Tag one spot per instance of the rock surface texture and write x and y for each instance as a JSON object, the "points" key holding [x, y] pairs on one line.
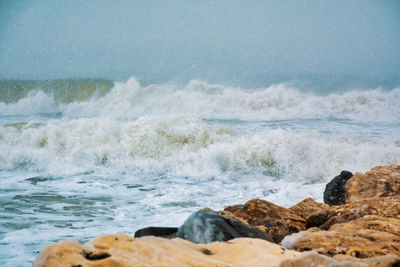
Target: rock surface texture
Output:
{"points": [[123, 250], [275, 220], [315, 213], [313, 259], [367, 226], [381, 181]]}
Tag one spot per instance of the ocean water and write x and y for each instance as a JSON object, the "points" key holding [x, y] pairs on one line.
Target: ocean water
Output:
{"points": [[79, 158]]}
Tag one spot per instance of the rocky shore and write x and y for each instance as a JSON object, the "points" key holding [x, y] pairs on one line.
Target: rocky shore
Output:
{"points": [[359, 225]]}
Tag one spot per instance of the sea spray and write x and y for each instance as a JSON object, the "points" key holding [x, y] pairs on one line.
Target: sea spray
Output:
{"points": [[187, 147], [130, 100]]}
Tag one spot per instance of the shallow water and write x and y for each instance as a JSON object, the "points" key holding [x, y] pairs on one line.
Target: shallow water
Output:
{"points": [[133, 156]]}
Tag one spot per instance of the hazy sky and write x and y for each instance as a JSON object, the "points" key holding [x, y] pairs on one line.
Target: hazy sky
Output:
{"points": [[214, 40]]}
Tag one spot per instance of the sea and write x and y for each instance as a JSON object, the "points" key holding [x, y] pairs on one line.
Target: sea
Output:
{"points": [[84, 157]]}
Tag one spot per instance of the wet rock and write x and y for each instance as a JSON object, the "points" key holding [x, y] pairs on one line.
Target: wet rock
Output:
{"points": [[123, 250], [205, 227], [381, 181], [275, 220], [335, 190], [166, 232]]}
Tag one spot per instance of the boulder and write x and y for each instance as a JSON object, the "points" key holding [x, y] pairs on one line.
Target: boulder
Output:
{"points": [[335, 190], [381, 181], [315, 213], [363, 229], [368, 225], [383, 207], [356, 238], [275, 220], [123, 251], [206, 227]]}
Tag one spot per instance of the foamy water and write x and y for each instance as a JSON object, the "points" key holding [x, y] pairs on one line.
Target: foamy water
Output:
{"points": [[137, 155]]}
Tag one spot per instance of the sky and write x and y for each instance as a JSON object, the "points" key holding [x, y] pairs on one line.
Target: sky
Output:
{"points": [[224, 40]]}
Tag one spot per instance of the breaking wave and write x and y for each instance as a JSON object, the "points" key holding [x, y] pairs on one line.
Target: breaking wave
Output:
{"points": [[130, 100], [186, 147]]}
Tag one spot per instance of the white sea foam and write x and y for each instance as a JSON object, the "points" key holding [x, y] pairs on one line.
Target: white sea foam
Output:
{"points": [[36, 102], [290, 240], [185, 146], [200, 99], [129, 100]]}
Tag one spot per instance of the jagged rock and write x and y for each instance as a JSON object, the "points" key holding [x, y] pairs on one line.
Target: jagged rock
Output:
{"points": [[166, 232], [275, 220], [313, 259], [383, 207], [346, 239], [367, 228], [123, 251], [381, 181], [315, 213], [205, 227], [335, 190]]}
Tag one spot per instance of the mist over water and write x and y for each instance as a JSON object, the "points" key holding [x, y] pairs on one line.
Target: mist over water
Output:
{"points": [[342, 44]]}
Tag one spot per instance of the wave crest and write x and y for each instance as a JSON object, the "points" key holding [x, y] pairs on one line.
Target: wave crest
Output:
{"points": [[130, 100], [186, 147], [200, 99]]}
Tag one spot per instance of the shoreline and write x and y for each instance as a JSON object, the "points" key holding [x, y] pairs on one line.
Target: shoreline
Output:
{"points": [[366, 226]]}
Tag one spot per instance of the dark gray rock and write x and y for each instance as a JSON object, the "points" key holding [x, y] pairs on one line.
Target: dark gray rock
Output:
{"points": [[167, 232], [205, 227], [335, 190]]}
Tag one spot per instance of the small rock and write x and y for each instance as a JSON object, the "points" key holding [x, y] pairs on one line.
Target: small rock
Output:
{"points": [[335, 190], [206, 227], [167, 232], [315, 213]]}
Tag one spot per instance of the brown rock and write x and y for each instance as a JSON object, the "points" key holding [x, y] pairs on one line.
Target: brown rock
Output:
{"points": [[275, 220], [367, 226], [311, 259], [315, 213], [122, 250], [381, 181], [231, 215], [366, 237], [371, 222], [383, 207]]}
